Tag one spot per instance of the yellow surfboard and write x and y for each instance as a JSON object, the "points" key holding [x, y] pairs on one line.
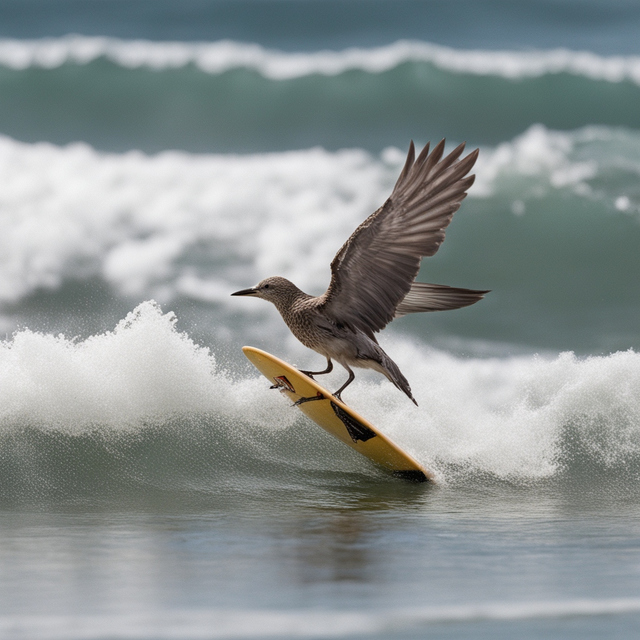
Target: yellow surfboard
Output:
{"points": [[336, 417]]}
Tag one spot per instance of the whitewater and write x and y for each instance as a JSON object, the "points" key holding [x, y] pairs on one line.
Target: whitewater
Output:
{"points": [[510, 418], [186, 229], [134, 219], [157, 156]]}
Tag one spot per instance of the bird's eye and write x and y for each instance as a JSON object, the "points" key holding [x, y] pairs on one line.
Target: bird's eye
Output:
{"points": [[266, 286]]}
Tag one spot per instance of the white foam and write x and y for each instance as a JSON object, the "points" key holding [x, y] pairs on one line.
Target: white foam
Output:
{"points": [[597, 163], [508, 417], [550, 156], [218, 57], [504, 417], [136, 220], [143, 370], [197, 624], [202, 226]]}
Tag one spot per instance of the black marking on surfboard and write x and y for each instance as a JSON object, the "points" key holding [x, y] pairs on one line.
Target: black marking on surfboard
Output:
{"points": [[412, 475], [357, 431]]}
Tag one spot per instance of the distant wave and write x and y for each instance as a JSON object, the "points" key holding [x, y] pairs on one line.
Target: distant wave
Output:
{"points": [[227, 96], [199, 624], [218, 57]]}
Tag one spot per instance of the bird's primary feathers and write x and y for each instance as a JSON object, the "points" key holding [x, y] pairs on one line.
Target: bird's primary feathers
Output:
{"points": [[372, 276]]}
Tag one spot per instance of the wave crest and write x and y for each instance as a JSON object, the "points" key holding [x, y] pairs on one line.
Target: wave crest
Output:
{"points": [[144, 387], [219, 57], [159, 226]]}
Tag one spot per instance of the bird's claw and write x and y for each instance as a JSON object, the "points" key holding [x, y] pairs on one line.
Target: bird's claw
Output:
{"points": [[307, 373], [300, 401]]}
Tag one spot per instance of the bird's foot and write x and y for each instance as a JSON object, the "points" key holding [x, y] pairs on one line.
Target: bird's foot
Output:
{"points": [[311, 374], [300, 401], [338, 395]]}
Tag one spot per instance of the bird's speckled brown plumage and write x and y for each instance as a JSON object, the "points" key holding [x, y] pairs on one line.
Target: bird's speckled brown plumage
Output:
{"points": [[372, 276]]}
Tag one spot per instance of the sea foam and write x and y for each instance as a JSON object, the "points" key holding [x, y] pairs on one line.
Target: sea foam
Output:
{"points": [[517, 419], [200, 226], [142, 370], [218, 57], [130, 218]]}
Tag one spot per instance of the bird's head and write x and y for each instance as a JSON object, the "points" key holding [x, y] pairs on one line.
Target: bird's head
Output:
{"points": [[274, 289]]}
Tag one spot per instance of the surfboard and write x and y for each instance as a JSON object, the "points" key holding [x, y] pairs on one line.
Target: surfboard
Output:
{"points": [[335, 417]]}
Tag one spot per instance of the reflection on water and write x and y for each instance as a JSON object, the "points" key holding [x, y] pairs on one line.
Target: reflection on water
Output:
{"points": [[333, 549]]}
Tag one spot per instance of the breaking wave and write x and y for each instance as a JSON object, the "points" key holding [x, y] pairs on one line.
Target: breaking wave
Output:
{"points": [[143, 405], [160, 225]]}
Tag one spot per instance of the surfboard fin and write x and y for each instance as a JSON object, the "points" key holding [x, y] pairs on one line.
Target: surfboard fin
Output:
{"points": [[412, 475]]}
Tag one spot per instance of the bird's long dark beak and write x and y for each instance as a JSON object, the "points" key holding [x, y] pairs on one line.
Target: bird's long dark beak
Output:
{"points": [[245, 292]]}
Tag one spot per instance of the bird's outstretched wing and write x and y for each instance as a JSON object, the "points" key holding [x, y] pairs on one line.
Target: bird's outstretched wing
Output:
{"points": [[373, 271]]}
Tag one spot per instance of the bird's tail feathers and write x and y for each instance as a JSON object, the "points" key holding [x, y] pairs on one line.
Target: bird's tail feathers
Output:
{"points": [[390, 369], [436, 297]]}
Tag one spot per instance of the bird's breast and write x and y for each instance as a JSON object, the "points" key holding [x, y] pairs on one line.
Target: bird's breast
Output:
{"points": [[315, 331], [304, 326]]}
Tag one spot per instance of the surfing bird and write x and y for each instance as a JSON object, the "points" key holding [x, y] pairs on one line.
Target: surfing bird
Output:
{"points": [[373, 274]]}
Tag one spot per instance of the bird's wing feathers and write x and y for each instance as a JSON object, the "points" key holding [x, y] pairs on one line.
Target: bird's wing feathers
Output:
{"points": [[373, 271], [436, 297]]}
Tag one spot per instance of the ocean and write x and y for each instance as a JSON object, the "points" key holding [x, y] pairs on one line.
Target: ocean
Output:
{"points": [[157, 155]]}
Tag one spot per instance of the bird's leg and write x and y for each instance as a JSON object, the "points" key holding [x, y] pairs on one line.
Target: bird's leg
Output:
{"points": [[352, 377], [318, 396], [329, 369]]}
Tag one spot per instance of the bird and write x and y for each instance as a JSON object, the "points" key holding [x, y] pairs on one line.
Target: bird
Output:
{"points": [[373, 274]]}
